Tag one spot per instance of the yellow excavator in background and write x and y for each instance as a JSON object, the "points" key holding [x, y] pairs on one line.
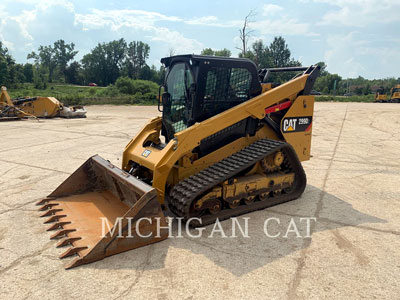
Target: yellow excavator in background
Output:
{"points": [[395, 94], [380, 95], [228, 143], [39, 107]]}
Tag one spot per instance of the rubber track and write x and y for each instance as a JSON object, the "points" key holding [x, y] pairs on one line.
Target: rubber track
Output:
{"points": [[185, 192]]}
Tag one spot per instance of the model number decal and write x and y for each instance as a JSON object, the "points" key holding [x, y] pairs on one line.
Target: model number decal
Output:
{"points": [[296, 124]]}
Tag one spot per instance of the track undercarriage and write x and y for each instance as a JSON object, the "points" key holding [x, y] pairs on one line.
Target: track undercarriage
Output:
{"points": [[263, 174]]}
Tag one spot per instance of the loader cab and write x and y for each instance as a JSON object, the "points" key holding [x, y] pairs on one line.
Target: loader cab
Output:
{"points": [[199, 87]]}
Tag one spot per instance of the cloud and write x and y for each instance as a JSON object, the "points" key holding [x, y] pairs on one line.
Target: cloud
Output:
{"points": [[359, 13], [269, 9], [283, 26], [139, 23], [213, 21], [350, 55], [43, 22]]}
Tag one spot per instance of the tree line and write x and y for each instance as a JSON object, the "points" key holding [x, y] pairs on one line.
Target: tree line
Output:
{"points": [[109, 61]]}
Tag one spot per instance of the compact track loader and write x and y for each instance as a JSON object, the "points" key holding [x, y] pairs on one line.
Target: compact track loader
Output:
{"points": [[37, 107], [227, 143], [395, 94], [380, 95]]}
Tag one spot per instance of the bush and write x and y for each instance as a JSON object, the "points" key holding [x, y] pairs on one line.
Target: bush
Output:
{"points": [[129, 86], [92, 91]]}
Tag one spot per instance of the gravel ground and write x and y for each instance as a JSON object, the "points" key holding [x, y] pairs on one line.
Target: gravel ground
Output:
{"points": [[353, 192]]}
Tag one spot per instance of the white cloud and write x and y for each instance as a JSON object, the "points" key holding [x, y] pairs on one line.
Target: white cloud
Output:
{"points": [[350, 55], [359, 13], [213, 21], [139, 21], [283, 25], [270, 9]]}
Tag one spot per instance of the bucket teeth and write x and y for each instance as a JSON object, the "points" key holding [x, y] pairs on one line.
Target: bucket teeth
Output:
{"points": [[54, 218], [61, 233], [72, 251], [57, 225], [45, 200], [47, 206], [67, 241], [50, 212]]}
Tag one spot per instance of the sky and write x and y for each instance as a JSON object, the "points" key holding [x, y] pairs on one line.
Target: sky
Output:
{"points": [[353, 37]]}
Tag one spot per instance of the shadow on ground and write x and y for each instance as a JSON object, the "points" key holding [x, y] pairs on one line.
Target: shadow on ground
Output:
{"points": [[242, 255]]}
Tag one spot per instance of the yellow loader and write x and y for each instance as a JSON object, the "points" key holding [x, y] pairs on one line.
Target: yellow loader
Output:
{"points": [[395, 94], [39, 107], [228, 142], [380, 95]]}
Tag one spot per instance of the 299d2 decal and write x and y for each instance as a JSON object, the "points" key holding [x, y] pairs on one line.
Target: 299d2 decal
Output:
{"points": [[296, 124]]}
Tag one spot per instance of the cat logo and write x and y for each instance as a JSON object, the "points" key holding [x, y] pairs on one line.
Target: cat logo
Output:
{"points": [[146, 153], [296, 124], [289, 125]]}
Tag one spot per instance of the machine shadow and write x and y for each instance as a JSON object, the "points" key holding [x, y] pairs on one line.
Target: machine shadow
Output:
{"points": [[241, 255]]}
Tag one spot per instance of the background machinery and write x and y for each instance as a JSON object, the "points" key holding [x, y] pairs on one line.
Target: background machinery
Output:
{"points": [[40, 107], [395, 94], [380, 95], [227, 143]]}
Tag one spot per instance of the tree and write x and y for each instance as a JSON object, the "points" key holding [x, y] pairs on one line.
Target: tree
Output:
{"points": [[280, 53], [323, 70], [260, 54], [46, 57], [7, 66], [245, 32], [367, 89], [40, 77], [28, 72], [137, 54], [63, 54], [104, 63], [171, 52], [277, 54], [326, 83], [207, 51], [223, 52], [73, 73]]}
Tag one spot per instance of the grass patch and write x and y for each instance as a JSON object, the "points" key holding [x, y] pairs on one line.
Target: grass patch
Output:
{"points": [[145, 94], [84, 95], [364, 98]]}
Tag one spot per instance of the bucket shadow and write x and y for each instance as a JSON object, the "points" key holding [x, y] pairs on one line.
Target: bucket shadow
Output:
{"points": [[241, 255]]}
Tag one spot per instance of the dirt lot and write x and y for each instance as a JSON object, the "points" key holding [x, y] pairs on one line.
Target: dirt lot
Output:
{"points": [[353, 192]]}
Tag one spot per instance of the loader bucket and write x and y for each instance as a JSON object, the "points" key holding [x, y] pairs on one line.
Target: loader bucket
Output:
{"points": [[101, 210]]}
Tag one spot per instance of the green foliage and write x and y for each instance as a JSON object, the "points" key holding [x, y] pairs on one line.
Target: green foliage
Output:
{"points": [[104, 63], [276, 55], [223, 52], [73, 74], [326, 83], [141, 89], [365, 98], [137, 54], [46, 57], [92, 91], [7, 67], [28, 72], [63, 54], [40, 77]]}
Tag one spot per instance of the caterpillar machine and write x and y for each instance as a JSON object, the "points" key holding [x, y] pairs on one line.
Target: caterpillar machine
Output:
{"points": [[380, 95], [395, 94], [37, 107], [227, 143]]}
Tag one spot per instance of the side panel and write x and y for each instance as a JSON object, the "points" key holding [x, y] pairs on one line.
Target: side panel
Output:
{"points": [[42, 107], [296, 126]]}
